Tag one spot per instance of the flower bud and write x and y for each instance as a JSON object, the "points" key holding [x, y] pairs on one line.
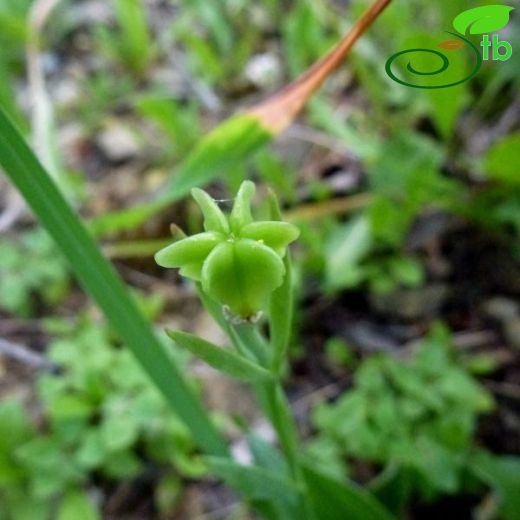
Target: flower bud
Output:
{"points": [[237, 260]]}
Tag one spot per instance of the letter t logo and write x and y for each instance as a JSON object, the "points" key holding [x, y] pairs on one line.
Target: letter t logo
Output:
{"points": [[485, 43]]}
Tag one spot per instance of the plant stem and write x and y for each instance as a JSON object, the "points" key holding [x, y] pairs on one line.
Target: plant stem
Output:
{"points": [[275, 405]]}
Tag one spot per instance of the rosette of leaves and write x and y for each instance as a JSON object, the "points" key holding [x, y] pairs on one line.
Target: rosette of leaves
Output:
{"points": [[237, 260]]}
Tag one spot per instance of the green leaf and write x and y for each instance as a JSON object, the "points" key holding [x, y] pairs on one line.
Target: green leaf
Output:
{"points": [[133, 43], [223, 360], [503, 160], [345, 250], [255, 483], [100, 279], [480, 20], [231, 143], [266, 455], [118, 432], [502, 473], [242, 274], [333, 500], [122, 465], [76, 505], [15, 426], [92, 449], [280, 317], [392, 487]]}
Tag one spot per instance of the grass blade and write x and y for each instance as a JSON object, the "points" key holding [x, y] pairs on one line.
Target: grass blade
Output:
{"points": [[99, 278]]}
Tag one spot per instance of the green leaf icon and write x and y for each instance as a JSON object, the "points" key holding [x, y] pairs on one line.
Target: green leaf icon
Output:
{"points": [[480, 20]]}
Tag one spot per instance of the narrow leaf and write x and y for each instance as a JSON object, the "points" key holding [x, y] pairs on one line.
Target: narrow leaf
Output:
{"points": [[281, 303], [254, 482], [100, 279], [221, 359], [280, 318], [233, 141]]}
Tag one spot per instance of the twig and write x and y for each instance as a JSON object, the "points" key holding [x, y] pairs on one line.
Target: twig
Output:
{"points": [[310, 135], [24, 355], [14, 210], [328, 207]]}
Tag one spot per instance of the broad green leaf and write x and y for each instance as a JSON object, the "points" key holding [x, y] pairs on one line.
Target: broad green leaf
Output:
{"points": [[277, 235], [503, 160], [502, 473], [221, 359], [76, 505], [484, 19], [242, 274], [100, 279], [214, 219], [333, 500]]}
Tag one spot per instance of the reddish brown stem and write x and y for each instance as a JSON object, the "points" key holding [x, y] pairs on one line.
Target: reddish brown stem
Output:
{"points": [[278, 112]]}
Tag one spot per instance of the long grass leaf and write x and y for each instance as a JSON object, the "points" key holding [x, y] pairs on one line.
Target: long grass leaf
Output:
{"points": [[99, 278]]}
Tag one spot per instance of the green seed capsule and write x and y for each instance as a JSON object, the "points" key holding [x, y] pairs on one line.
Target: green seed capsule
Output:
{"points": [[238, 261]]}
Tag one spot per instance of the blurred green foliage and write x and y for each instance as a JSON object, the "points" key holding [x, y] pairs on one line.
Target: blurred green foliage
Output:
{"points": [[417, 152], [31, 269], [419, 413], [100, 418]]}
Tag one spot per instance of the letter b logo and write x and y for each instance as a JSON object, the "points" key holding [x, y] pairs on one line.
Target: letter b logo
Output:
{"points": [[497, 53]]}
